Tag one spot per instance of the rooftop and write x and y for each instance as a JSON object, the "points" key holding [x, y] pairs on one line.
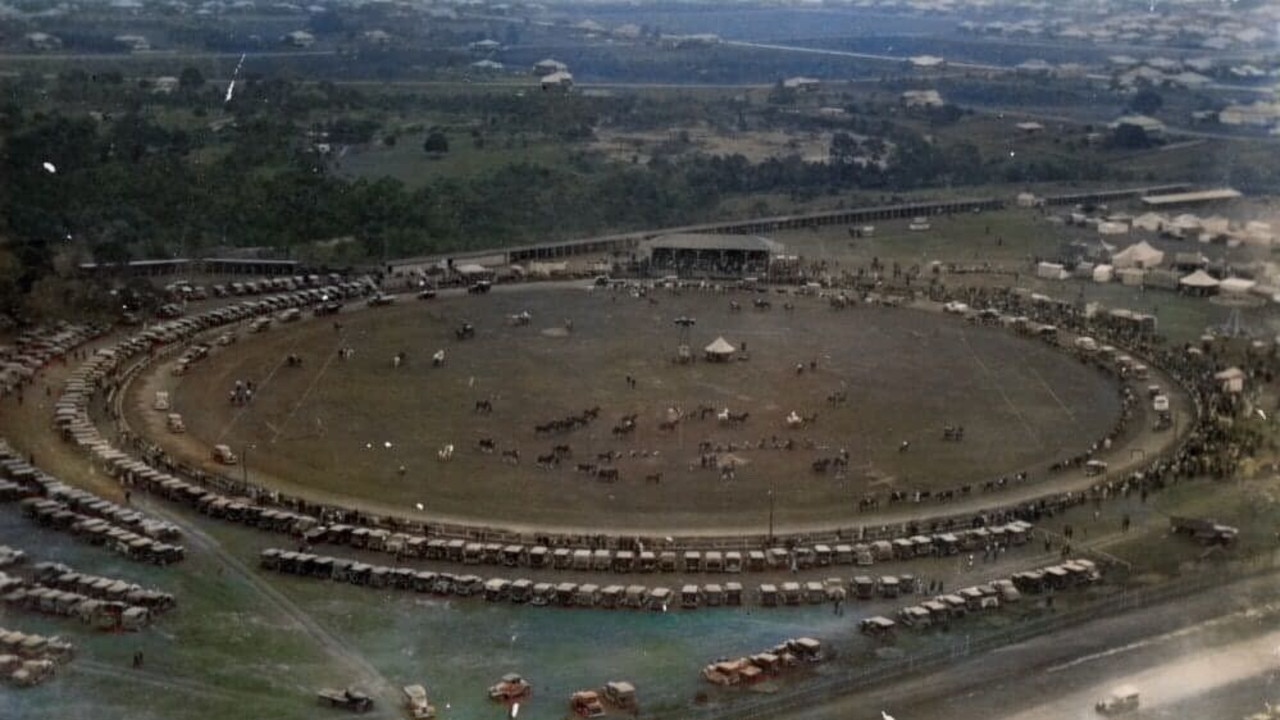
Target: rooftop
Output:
{"points": [[1190, 197]]}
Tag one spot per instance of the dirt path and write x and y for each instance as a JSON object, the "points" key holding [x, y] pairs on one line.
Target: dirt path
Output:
{"points": [[364, 672], [149, 678]]}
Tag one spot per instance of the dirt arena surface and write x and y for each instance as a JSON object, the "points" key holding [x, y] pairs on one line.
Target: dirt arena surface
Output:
{"points": [[345, 427]]}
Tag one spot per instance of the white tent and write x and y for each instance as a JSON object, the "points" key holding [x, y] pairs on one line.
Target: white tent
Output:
{"points": [[1152, 222], [1236, 285], [719, 349], [1103, 274], [1139, 255], [1108, 227], [1199, 280], [1231, 379], [1131, 276]]}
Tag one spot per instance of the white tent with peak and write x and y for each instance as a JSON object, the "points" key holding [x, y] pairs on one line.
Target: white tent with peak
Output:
{"points": [[1199, 280], [719, 349], [1138, 255]]}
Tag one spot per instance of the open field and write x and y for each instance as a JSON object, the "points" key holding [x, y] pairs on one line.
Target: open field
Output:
{"points": [[345, 428]]}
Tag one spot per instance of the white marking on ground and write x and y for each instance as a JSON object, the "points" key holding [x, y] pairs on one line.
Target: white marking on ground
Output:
{"points": [[995, 384], [1053, 394], [292, 411]]}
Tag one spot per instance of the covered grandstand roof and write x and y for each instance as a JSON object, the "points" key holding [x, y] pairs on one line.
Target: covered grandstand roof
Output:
{"points": [[713, 242]]}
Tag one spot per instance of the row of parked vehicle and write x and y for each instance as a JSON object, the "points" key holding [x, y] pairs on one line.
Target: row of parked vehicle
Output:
{"points": [[99, 532], [189, 291], [520, 591], [11, 556], [33, 349], [61, 577], [754, 668], [988, 596], [27, 659], [107, 615], [647, 561]]}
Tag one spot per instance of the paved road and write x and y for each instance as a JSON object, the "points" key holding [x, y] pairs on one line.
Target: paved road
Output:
{"points": [[1171, 651]]}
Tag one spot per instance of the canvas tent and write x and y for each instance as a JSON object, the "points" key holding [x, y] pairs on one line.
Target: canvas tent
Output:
{"points": [[720, 350], [1231, 379], [1237, 286], [1139, 255], [1199, 282]]}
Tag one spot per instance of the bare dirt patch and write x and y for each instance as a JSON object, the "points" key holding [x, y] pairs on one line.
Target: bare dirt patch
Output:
{"points": [[347, 428]]}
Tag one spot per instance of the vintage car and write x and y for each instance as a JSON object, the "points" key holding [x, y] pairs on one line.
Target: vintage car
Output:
{"points": [[510, 688], [586, 703], [1124, 699], [348, 699], [415, 697]]}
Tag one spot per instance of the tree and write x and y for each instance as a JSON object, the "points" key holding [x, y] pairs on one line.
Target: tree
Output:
{"points": [[1146, 101], [1130, 137], [190, 79], [437, 143]]}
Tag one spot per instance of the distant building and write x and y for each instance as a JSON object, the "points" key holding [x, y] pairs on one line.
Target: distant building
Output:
{"points": [[1258, 114], [630, 31], [166, 85], [1190, 198], [542, 68], [804, 84], [927, 62], [488, 66], [1035, 66], [1151, 126], [42, 41], [299, 39], [562, 81], [134, 43], [376, 37], [922, 99], [1030, 128], [485, 46]]}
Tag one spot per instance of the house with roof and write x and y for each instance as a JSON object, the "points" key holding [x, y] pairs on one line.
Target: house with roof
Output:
{"points": [[42, 41], [802, 84], [1150, 125], [542, 68], [562, 81], [922, 99], [299, 39]]}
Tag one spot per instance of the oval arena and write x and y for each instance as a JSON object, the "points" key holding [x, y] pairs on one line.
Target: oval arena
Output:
{"points": [[571, 413]]}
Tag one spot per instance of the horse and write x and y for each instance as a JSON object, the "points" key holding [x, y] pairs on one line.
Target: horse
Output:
{"points": [[487, 445], [609, 474], [399, 359], [437, 360], [445, 454], [484, 406], [512, 456], [546, 462], [668, 425], [655, 478]]}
